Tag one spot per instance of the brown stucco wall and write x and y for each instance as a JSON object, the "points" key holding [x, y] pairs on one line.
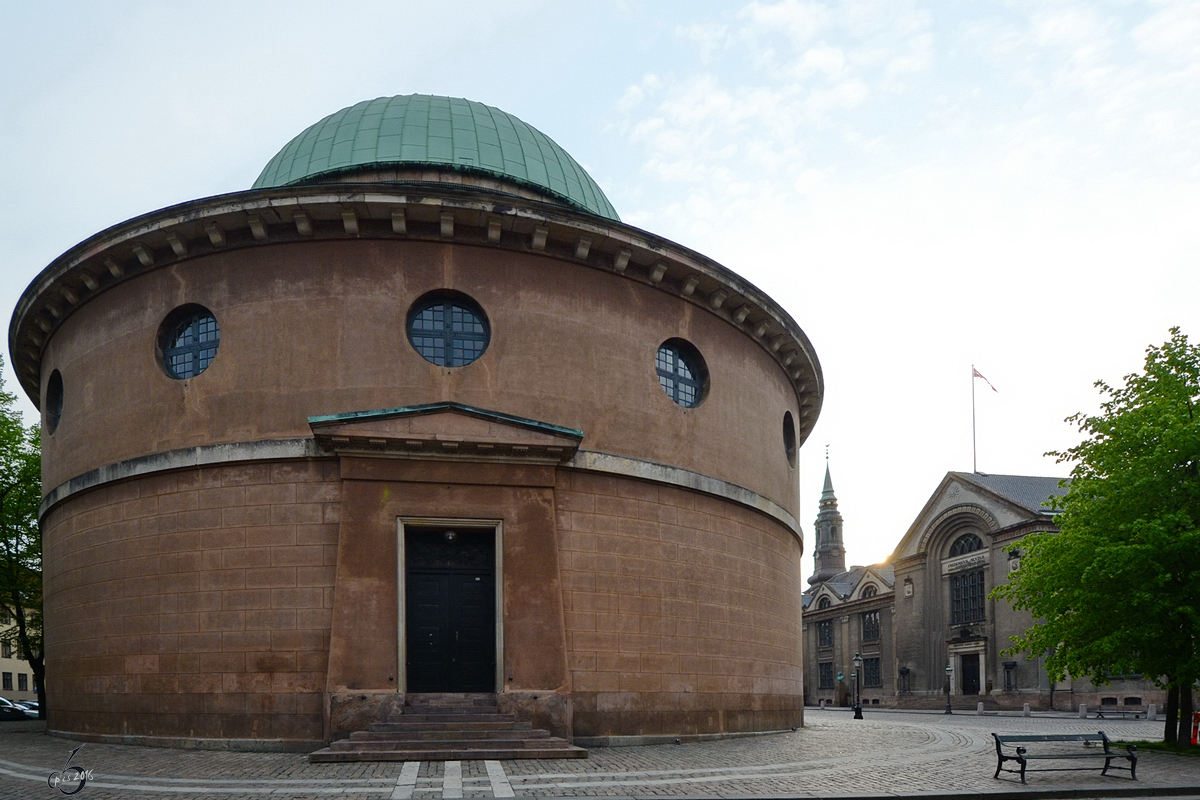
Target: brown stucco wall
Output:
{"points": [[682, 611], [319, 328], [193, 604], [260, 600]]}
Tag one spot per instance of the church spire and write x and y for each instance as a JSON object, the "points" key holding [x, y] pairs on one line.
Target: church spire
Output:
{"points": [[829, 555]]}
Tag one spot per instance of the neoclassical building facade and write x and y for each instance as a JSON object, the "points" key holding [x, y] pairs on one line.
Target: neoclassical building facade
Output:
{"points": [[926, 615], [417, 413]]}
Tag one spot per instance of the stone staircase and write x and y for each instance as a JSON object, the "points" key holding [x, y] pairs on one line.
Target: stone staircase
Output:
{"points": [[448, 727]]}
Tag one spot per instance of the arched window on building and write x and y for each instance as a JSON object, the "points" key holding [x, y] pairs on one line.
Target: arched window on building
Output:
{"points": [[825, 634], [967, 543], [870, 626], [870, 591], [824, 602], [967, 589]]}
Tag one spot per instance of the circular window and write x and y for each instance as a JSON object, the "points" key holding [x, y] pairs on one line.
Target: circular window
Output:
{"points": [[54, 401], [870, 591], [681, 372], [188, 340], [448, 329], [789, 438], [823, 603]]}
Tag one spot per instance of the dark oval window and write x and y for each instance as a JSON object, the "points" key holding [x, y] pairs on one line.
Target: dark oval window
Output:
{"points": [[54, 401], [789, 438], [448, 329], [965, 544], [870, 591], [824, 603], [681, 372], [188, 341]]}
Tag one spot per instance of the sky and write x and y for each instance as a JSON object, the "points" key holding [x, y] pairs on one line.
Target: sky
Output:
{"points": [[924, 186]]}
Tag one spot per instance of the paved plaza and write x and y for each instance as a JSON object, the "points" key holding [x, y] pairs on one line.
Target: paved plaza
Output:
{"points": [[885, 754]]}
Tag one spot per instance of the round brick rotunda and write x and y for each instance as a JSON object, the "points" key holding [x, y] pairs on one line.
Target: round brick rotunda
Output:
{"points": [[417, 414]]}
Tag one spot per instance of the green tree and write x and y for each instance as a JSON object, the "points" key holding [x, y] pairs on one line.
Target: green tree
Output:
{"points": [[21, 539], [1117, 589]]}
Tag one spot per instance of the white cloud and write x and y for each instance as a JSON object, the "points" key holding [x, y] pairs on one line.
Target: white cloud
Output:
{"points": [[1173, 33]]}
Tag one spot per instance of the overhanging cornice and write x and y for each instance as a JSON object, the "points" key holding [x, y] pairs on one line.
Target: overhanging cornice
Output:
{"points": [[419, 211]]}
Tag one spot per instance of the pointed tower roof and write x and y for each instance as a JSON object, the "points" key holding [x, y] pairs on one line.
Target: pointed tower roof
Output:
{"points": [[829, 555], [827, 495]]}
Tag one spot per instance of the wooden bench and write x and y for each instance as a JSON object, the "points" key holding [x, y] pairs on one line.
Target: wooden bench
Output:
{"points": [[1093, 745]]}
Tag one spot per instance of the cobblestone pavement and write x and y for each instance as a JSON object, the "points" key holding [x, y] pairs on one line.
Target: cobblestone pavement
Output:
{"points": [[886, 754]]}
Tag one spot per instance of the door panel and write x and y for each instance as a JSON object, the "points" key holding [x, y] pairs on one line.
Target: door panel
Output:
{"points": [[450, 612], [970, 670]]}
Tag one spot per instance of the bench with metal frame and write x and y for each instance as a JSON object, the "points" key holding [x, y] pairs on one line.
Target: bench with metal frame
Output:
{"points": [[1095, 745], [1125, 712]]}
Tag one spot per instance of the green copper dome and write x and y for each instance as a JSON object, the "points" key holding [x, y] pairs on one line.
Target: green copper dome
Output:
{"points": [[426, 130]]}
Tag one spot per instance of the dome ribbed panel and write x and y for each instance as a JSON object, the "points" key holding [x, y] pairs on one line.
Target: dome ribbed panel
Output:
{"points": [[437, 131]]}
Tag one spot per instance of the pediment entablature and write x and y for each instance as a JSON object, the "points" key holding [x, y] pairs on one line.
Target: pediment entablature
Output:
{"points": [[446, 431], [957, 501], [823, 592], [871, 577]]}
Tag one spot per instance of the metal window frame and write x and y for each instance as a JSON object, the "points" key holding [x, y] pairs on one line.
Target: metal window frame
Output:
{"points": [[870, 626], [450, 352], [825, 675], [872, 673], [672, 377], [201, 351]]}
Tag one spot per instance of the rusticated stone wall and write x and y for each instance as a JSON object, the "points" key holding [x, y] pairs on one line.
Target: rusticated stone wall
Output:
{"points": [[194, 604], [682, 610]]}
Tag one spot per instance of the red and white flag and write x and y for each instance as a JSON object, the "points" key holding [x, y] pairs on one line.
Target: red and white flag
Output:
{"points": [[977, 374]]}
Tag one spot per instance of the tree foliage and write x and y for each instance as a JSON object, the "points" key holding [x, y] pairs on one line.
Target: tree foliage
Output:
{"points": [[1117, 590], [20, 538]]}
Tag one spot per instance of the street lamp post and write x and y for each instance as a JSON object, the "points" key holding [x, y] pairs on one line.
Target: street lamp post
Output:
{"points": [[858, 663], [949, 669]]}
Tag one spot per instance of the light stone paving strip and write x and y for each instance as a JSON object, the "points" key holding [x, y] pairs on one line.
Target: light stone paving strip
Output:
{"points": [[452, 780], [499, 780], [407, 782], [886, 754]]}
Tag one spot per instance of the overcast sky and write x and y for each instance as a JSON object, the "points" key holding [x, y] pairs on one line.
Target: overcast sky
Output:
{"points": [[923, 186]]}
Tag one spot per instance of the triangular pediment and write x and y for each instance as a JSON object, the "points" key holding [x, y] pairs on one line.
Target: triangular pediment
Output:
{"points": [[959, 494], [813, 599], [446, 431], [879, 576]]}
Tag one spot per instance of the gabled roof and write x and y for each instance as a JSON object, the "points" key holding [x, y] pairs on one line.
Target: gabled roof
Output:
{"points": [[997, 501], [844, 584], [1027, 491]]}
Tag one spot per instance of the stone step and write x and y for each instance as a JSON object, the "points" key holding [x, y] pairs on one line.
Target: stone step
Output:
{"points": [[443, 735], [440, 716], [448, 728], [457, 725], [444, 699], [329, 755], [443, 744]]}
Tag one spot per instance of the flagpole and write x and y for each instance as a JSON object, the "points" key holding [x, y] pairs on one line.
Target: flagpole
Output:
{"points": [[974, 464]]}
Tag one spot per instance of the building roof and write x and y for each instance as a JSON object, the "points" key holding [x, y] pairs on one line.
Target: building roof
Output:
{"points": [[1028, 491], [844, 583], [444, 132]]}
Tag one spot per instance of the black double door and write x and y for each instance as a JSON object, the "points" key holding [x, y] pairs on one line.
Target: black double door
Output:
{"points": [[450, 610], [970, 673]]}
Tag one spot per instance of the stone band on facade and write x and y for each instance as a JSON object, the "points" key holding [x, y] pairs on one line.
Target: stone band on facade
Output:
{"points": [[212, 455]]}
